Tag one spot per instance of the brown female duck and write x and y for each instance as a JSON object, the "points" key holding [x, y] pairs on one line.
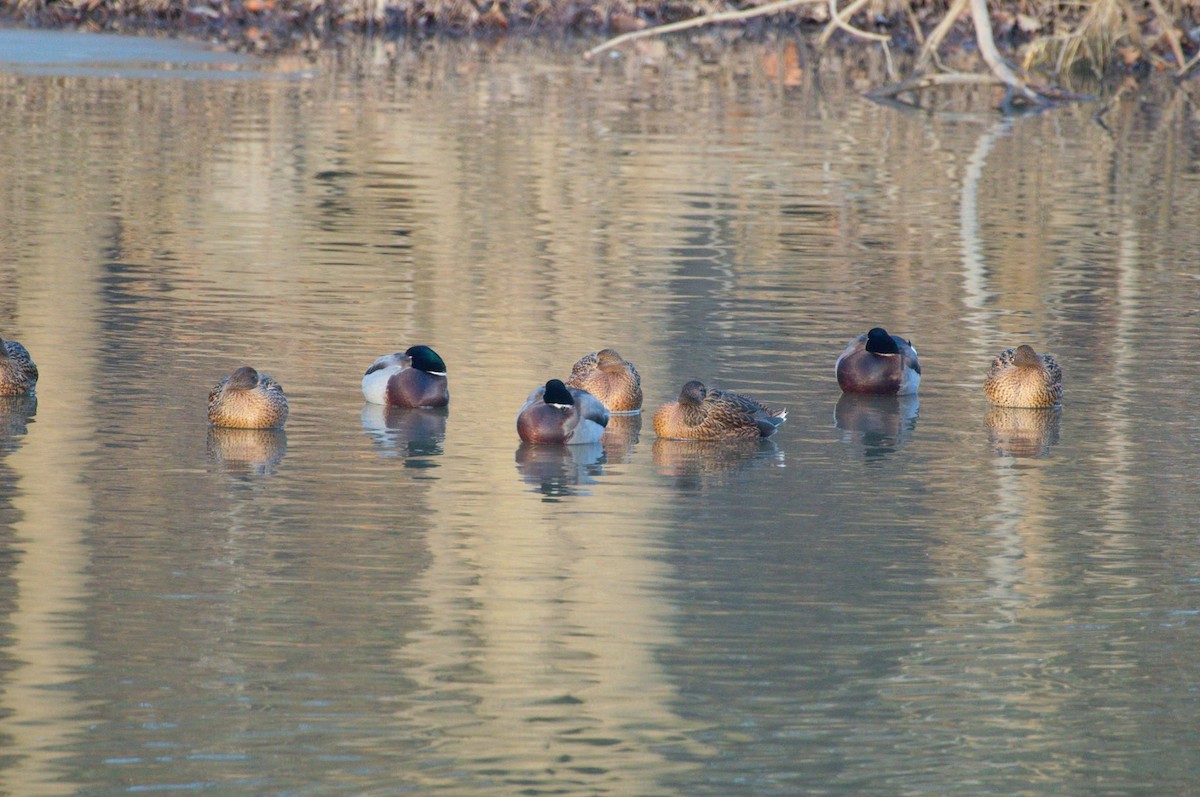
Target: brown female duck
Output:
{"points": [[703, 414], [611, 379], [1021, 377], [247, 399], [18, 374]]}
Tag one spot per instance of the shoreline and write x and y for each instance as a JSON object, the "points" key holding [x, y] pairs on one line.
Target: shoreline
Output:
{"points": [[1103, 39]]}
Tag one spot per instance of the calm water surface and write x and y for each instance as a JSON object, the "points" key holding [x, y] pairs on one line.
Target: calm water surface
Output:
{"points": [[891, 597]]}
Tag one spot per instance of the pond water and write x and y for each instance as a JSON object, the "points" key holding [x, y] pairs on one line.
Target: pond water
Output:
{"points": [[890, 597]]}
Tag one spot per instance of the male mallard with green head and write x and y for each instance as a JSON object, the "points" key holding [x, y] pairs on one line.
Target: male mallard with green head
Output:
{"points": [[416, 378], [703, 414], [247, 399], [879, 363], [556, 413], [1021, 377]]}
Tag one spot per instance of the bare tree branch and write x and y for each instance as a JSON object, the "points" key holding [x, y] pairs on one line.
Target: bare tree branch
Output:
{"points": [[1183, 70], [991, 56], [837, 20], [696, 22], [929, 49], [1167, 23], [922, 82]]}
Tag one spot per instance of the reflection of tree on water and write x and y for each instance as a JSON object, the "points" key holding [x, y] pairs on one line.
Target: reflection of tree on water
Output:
{"points": [[881, 423], [694, 463], [249, 451], [16, 413], [1023, 432], [559, 471], [406, 432]]}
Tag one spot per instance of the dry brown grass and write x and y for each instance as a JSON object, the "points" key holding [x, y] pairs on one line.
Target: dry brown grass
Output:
{"points": [[1089, 44]]}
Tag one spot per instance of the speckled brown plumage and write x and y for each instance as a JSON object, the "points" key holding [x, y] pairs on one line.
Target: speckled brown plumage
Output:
{"points": [[703, 414], [247, 399], [18, 374], [610, 378], [1021, 377]]}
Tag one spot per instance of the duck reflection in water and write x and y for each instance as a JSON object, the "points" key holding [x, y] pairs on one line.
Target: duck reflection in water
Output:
{"points": [[256, 452], [620, 437], [414, 434], [881, 423], [695, 463], [558, 471], [16, 413], [1023, 431]]}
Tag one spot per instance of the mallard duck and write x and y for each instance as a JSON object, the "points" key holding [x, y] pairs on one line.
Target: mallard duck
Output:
{"points": [[611, 379], [879, 363], [1021, 377], [18, 374], [247, 399], [416, 378], [556, 413], [703, 414]]}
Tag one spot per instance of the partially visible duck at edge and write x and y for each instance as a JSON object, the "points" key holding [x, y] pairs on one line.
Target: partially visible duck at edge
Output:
{"points": [[556, 413], [611, 379], [18, 374], [704, 414], [416, 378], [1021, 377], [247, 399], [878, 362]]}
